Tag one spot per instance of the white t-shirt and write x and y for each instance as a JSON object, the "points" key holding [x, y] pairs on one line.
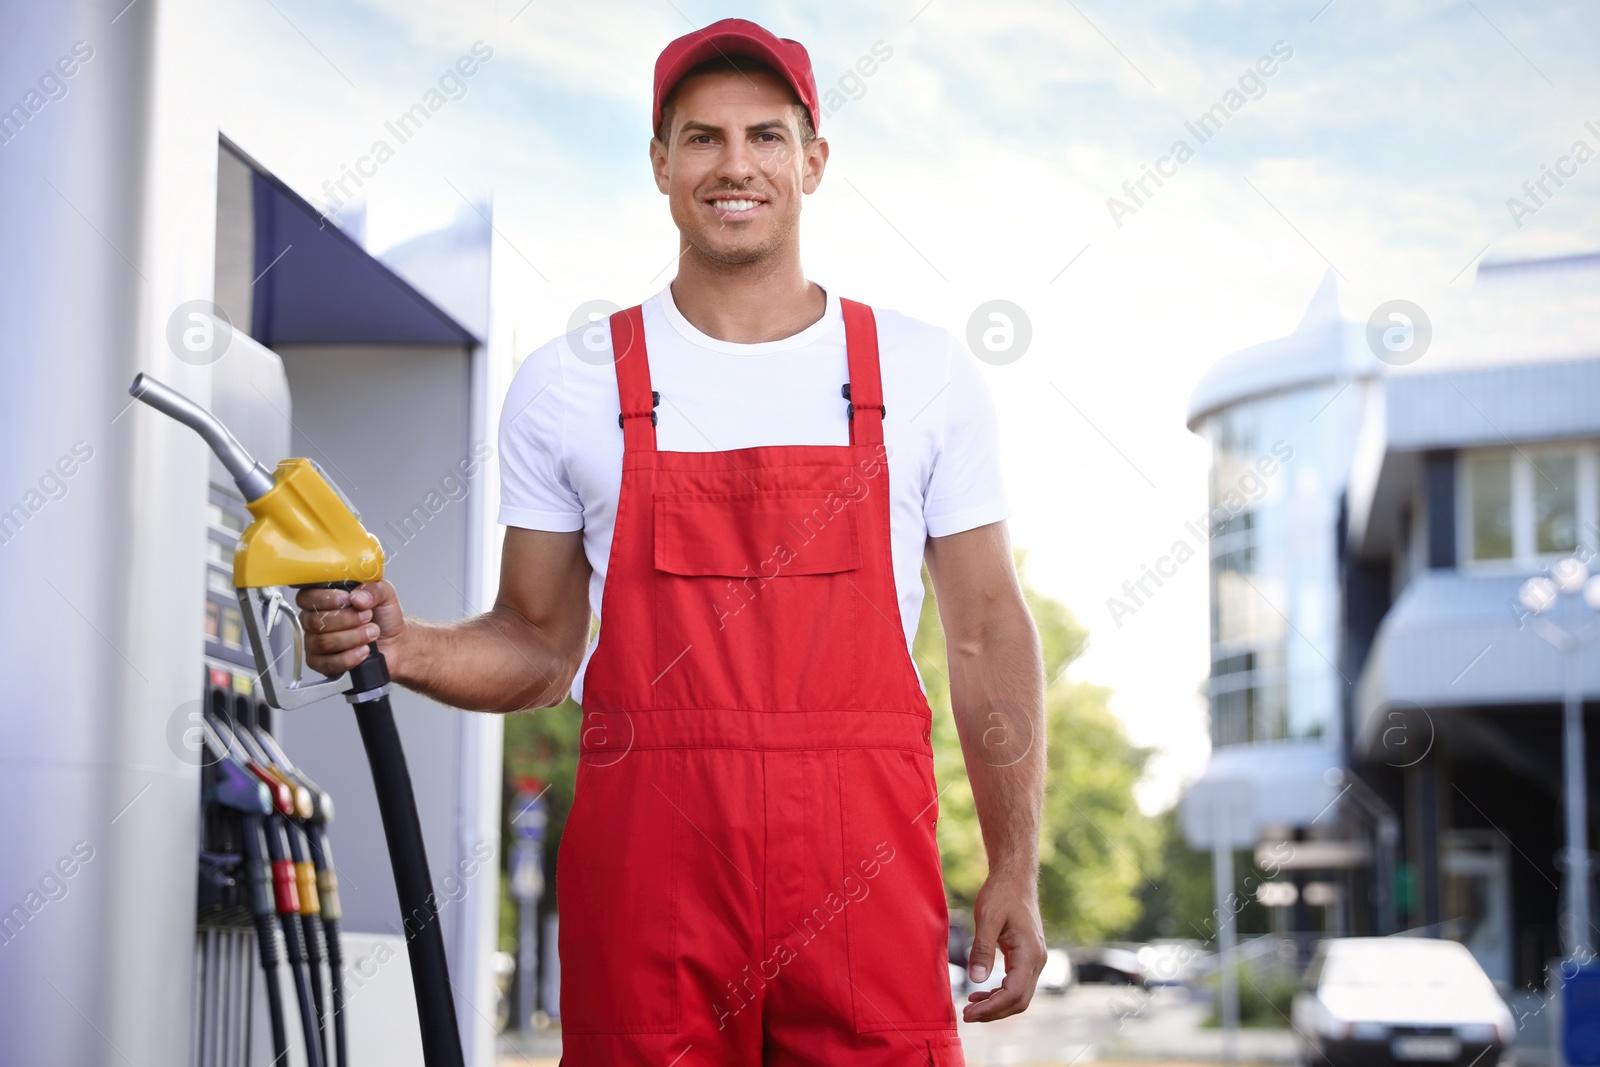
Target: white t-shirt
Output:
{"points": [[561, 447]]}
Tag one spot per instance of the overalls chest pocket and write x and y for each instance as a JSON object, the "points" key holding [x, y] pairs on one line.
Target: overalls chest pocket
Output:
{"points": [[756, 599]]}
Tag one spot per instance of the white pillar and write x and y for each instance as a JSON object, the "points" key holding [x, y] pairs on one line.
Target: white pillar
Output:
{"points": [[105, 175]]}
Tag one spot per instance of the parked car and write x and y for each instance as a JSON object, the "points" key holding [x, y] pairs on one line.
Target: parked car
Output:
{"points": [[1057, 976], [1398, 1000], [1172, 962], [1110, 964]]}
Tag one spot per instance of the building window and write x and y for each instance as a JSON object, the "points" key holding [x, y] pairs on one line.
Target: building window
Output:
{"points": [[1523, 507], [1555, 503], [1488, 484]]}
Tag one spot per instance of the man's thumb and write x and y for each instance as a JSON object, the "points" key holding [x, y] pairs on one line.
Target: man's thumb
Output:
{"points": [[981, 956], [385, 607]]}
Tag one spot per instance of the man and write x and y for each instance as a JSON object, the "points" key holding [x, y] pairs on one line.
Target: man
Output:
{"points": [[749, 873]]}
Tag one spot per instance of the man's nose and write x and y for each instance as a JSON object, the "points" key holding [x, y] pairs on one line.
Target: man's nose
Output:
{"points": [[738, 162]]}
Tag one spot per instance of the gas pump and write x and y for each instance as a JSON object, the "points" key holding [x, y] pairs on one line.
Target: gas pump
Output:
{"points": [[305, 533]]}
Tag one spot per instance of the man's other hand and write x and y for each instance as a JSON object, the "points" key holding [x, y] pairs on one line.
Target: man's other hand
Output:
{"points": [[1007, 919]]}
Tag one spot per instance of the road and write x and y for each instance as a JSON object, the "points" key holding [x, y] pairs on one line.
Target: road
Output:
{"points": [[1088, 1024], [1064, 1029], [1098, 1022]]}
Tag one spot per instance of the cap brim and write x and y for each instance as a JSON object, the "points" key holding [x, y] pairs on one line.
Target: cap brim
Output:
{"points": [[726, 44]]}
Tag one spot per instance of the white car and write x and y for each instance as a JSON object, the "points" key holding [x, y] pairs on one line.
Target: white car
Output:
{"points": [[1399, 1000], [1057, 976], [1171, 962]]}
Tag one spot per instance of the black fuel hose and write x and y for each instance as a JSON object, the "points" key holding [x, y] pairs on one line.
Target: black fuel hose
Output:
{"points": [[259, 888], [328, 890], [330, 928], [311, 930], [419, 910], [267, 940], [311, 926], [294, 944], [307, 848]]}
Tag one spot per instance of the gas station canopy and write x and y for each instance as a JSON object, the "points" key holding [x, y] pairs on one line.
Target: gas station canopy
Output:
{"points": [[335, 293]]}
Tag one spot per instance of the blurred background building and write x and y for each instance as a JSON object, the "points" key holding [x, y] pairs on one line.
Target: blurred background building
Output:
{"points": [[1477, 471], [1385, 719], [1283, 420]]}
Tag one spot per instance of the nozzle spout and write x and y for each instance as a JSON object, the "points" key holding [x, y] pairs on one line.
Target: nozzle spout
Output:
{"points": [[251, 477]]}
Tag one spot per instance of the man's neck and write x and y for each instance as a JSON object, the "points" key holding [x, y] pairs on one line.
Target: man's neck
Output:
{"points": [[748, 303]]}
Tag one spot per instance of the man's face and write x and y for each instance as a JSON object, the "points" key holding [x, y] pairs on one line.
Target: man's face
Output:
{"points": [[733, 165]]}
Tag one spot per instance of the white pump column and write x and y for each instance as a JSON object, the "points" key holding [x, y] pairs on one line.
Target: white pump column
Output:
{"points": [[107, 169]]}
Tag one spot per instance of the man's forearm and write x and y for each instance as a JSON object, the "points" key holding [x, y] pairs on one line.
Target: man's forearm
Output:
{"points": [[491, 662], [997, 695]]}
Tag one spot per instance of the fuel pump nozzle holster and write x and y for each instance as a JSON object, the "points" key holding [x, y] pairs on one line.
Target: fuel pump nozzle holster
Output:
{"points": [[304, 533]]}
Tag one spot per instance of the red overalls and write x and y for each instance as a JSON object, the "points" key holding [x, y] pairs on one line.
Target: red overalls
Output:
{"points": [[749, 874]]}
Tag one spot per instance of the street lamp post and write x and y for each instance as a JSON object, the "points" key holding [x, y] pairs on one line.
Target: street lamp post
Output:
{"points": [[1568, 582]]}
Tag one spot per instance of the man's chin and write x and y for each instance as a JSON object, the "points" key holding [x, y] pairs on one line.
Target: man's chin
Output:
{"points": [[733, 255]]}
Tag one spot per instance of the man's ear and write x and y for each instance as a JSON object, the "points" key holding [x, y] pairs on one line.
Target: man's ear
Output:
{"points": [[658, 163], [816, 162]]}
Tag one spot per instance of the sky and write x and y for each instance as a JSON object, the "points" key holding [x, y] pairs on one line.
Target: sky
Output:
{"points": [[980, 161]]}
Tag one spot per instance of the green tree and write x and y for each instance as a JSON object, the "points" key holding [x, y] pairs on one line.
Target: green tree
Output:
{"points": [[542, 745], [1177, 901], [1095, 845]]}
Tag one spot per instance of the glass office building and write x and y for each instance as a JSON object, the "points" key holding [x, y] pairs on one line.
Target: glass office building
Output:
{"points": [[1278, 467], [1282, 420]]}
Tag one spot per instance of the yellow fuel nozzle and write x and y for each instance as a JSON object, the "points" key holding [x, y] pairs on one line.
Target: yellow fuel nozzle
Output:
{"points": [[304, 533]]}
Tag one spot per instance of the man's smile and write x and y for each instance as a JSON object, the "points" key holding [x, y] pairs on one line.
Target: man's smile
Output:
{"points": [[735, 207]]}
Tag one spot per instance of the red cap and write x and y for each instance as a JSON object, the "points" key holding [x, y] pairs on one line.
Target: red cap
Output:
{"points": [[735, 37]]}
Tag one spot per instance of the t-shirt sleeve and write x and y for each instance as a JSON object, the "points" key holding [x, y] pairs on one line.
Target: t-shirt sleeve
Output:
{"points": [[535, 490], [964, 488]]}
